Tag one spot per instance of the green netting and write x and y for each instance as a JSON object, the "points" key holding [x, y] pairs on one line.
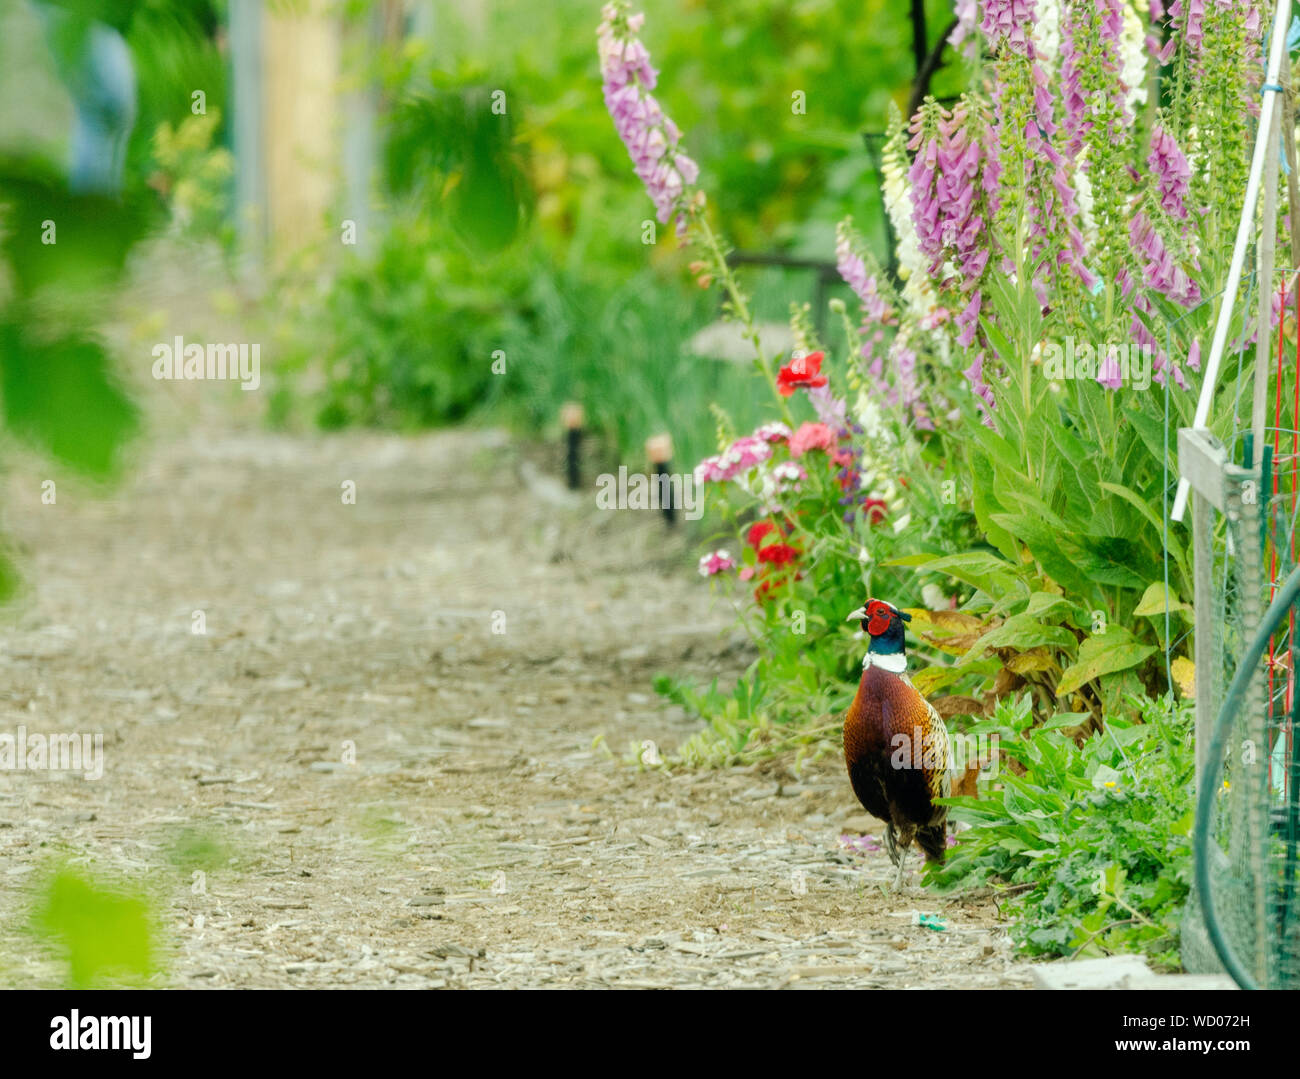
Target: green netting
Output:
{"points": [[1254, 830]]}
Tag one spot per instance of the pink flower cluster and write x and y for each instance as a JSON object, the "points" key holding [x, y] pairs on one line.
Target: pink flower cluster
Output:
{"points": [[946, 204], [1160, 270], [773, 432], [1009, 21], [1172, 172], [716, 562], [812, 436], [863, 283], [651, 138], [743, 455], [1189, 17]]}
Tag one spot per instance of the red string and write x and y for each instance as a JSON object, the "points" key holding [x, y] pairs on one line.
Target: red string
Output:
{"points": [[1295, 493]]}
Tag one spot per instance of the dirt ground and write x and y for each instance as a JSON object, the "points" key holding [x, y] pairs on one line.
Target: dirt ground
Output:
{"points": [[485, 835]]}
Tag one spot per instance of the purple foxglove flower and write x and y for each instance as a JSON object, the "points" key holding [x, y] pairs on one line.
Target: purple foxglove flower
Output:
{"points": [[1109, 374], [975, 376], [830, 409], [968, 320], [967, 13], [853, 269], [1160, 271], [1172, 173], [1009, 23], [651, 138], [1189, 17]]}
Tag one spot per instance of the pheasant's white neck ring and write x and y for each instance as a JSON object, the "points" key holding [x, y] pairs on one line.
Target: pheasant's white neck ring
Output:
{"points": [[894, 662]]}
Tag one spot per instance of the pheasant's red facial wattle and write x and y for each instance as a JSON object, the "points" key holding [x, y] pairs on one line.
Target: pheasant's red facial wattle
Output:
{"points": [[879, 616]]}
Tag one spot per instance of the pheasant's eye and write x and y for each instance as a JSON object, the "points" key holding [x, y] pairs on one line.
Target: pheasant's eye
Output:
{"points": [[879, 619]]}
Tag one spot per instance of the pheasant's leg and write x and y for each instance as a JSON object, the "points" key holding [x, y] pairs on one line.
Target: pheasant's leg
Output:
{"points": [[898, 880]]}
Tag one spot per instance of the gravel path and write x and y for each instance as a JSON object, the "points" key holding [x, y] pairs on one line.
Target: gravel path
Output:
{"points": [[377, 789]]}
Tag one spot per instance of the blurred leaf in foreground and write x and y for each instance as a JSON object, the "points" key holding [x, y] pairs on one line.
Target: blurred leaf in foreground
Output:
{"points": [[103, 933], [60, 397]]}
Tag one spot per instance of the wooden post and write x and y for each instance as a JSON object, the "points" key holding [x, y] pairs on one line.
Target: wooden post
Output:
{"points": [[571, 417], [659, 448]]}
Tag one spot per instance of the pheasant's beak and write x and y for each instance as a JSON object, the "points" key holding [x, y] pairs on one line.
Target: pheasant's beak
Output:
{"points": [[857, 615]]}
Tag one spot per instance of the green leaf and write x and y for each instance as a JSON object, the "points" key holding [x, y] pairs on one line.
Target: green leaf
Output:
{"points": [[103, 934], [59, 397], [1022, 632], [61, 240], [1114, 650], [980, 569], [1157, 523], [985, 504], [1154, 600], [921, 559], [1042, 602]]}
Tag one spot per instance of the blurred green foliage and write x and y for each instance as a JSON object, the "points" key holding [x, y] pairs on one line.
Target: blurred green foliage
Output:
{"points": [[196, 176], [512, 220], [197, 849], [105, 934]]}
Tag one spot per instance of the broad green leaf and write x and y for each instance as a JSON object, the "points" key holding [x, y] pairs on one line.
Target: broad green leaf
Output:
{"points": [[934, 678], [1042, 602], [1114, 650], [1155, 600], [103, 934], [60, 397], [981, 569], [920, 559], [1021, 632], [985, 504]]}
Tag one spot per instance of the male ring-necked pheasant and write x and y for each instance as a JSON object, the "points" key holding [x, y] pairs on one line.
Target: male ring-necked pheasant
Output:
{"points": [[896, 746]]}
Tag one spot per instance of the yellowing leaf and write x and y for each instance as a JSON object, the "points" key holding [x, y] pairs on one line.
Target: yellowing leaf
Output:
{"points": [[1036, 659], [1105, 653], [957, 621], [1152, 602], [1184, 671], [932, 678]]}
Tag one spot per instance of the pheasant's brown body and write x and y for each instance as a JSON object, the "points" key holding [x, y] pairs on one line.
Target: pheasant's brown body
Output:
{"points": [[898, 755]]}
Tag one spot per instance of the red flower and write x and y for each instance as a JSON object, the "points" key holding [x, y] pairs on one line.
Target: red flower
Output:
{"points": [[757, 531], [778, 554], [770, 585], [876, 510], [801, 371]]}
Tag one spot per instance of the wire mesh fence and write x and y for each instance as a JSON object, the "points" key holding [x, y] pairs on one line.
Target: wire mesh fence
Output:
{"points": [[1253, 838]]}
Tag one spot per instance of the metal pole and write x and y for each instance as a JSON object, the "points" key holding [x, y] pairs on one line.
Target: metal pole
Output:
{"points": [[246, 124], [1263, 150]]}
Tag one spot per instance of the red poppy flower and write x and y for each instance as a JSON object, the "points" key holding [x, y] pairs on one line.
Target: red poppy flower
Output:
{"points": [[801, 371]]}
